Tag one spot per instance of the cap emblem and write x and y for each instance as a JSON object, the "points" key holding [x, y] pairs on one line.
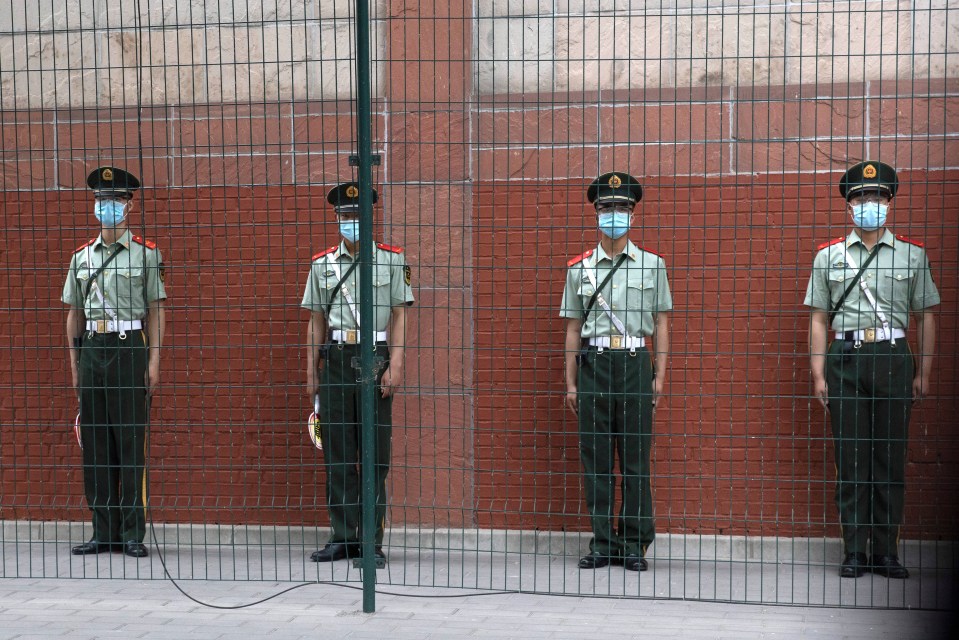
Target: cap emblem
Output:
{"points": [[615, 182], [352, 192], [869, 172], [107, 175]]}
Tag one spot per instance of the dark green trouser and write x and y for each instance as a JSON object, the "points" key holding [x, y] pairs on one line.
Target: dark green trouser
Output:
{"points": [[616, 419], [113, 413], [870, 396], [341, 431]]}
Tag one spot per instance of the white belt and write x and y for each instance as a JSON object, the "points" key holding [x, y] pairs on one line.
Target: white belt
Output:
{"points": [[871, 335], [352, 336], [618, 342], [113, 326]]}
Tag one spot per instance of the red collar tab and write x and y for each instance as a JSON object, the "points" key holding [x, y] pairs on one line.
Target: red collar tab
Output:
{"points": [[830, 243], [149, 244], [579, 258], [325, 252], [85, 245], [386, 247], [905, 239]]}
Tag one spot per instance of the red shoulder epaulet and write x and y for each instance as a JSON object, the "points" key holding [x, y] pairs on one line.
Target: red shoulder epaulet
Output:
{"points": [[85, 245], [829, 243], [905, 239], [386, 247], [149, 244], [325, 251], [649, 251], [579, 258]]}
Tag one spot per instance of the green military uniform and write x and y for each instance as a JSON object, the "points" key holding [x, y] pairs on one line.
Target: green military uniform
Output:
{"points": [[869, 369], [113, 361], [615, 392], [340, 387]]}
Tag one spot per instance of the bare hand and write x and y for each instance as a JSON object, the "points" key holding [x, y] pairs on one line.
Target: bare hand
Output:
{"points": [[572, 402], [821, 393], [392, 378], [920, 388], [658, 384], [151, 378]]}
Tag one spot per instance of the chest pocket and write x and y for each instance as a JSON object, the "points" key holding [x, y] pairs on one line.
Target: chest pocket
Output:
{"points": [[839, 279], [641, 291], [130, 275], [897, 286], [129, 291], [381, 276], [329, 279], [586, 289]]}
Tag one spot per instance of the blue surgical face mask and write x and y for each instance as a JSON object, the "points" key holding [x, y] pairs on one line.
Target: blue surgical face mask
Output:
{"points": [[615, 224], [869, 216], [110, 213], [350, 229]]}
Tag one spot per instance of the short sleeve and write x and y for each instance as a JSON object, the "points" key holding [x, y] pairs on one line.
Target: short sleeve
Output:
{"points": [[401, 281], [313, 295], [924, 293], [155, 275], [571, 305], [817, 290], [664, 299], [71, 292]]}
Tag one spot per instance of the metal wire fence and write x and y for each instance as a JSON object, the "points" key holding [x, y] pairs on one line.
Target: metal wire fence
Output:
{"points": [[487, 122]]}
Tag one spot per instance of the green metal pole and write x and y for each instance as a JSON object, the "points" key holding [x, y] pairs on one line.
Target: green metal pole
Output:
{"points": [[367, 367]]}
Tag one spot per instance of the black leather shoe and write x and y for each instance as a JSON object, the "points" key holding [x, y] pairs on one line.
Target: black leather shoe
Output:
{"points": [[335, 551], [594, 561], [853, 565], [889, 566], [633, 562], [378, 553], [91, 547], [134, 549]]}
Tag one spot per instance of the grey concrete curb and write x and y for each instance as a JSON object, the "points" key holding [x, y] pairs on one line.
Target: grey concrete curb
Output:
{"points": [[931, 554]]}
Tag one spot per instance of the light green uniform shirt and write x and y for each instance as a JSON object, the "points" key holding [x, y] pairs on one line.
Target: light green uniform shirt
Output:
{"points": [[124, 289], [899, 277], [637, 290], [391, 286]]}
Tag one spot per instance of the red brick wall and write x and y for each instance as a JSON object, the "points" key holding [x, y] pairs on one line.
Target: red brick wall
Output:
{"points": [[740, 447], [487, 198]]}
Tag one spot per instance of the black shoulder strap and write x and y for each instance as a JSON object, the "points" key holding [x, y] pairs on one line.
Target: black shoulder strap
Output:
{"points": [[336, 289], [855, 281], [592, 300], [100, 270]]}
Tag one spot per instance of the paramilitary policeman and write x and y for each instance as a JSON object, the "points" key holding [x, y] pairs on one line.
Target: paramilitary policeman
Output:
{"points": [[333, 337], [862, 290], [616, 299], [115, 326]]}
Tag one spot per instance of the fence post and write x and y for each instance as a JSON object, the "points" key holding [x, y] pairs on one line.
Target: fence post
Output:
{"points": [[367, 366]]}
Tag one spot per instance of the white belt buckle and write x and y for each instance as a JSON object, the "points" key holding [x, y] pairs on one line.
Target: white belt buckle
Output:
{"points": [[869, 335], [616, 342], [351, 336]]}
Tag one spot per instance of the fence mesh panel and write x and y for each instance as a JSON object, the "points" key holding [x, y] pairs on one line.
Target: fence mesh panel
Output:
{"points": [[490, 119]]}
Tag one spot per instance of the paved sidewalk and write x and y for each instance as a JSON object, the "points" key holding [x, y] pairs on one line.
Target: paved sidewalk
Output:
{"points": [[46, 593], [154, 610]]}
